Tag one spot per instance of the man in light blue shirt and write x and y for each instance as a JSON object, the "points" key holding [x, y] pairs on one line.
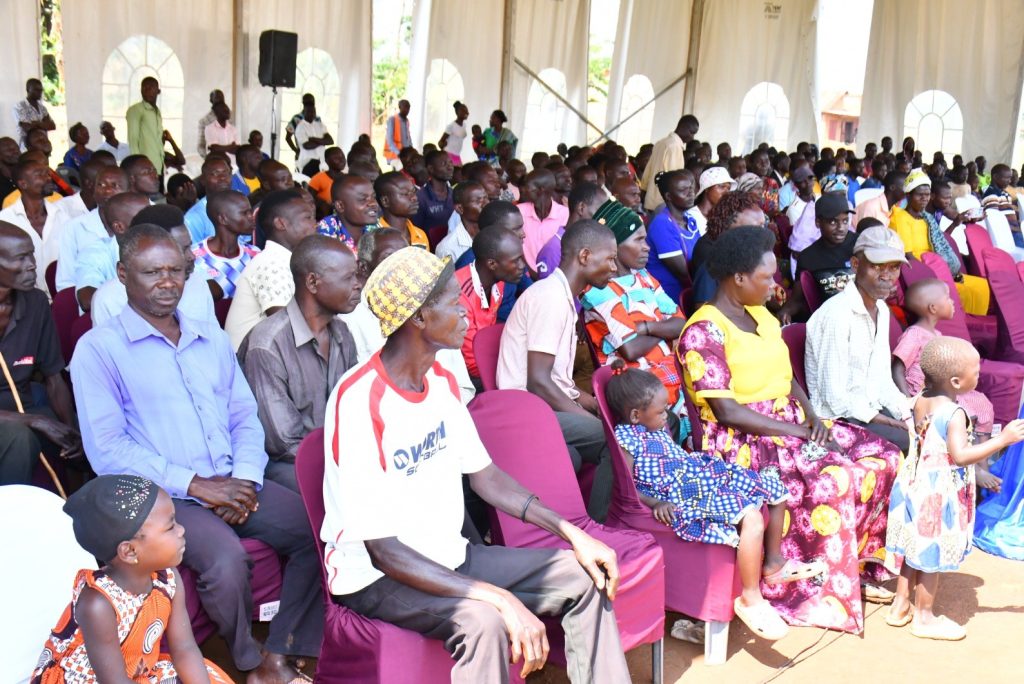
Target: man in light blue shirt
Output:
{"points": [[163, 397], [88, 228], [97, 263], [216, 177]]}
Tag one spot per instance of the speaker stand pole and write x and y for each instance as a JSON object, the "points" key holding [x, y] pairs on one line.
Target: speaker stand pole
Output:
{"points": [[273, 123]]}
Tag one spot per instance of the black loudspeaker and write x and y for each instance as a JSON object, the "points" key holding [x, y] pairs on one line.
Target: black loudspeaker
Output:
{"points": [[277, 58]]}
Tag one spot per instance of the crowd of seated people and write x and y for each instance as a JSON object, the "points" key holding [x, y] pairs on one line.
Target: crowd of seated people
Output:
{"points": [[236, 312]]}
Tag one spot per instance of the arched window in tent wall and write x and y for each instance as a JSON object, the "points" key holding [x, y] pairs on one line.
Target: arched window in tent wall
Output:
{"points": [[764, 117], [130, 62], [545, 115], [444, 87], [933, 118], [636, 93], [315, 73]]}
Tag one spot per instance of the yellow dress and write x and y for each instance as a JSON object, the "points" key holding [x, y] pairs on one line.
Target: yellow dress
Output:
{"points": [[973, 291]]}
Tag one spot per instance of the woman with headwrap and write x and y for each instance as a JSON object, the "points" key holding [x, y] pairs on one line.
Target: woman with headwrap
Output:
{"points": [[632, 318], [921, 233]]}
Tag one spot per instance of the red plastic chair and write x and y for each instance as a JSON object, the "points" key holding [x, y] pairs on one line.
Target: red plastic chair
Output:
{"points": [[64, 310], [977, 240], [978, 330], [357, 650], [542, 465], [51, 279], [1020, 270], [220, 310], [265, 582], [79, 327], [486, 346], [914, 271], [996, 259], [703, 580], [812, 294], [1008, 293], [795, 337]]}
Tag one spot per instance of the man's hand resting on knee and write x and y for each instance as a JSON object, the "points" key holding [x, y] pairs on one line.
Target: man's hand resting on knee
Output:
{"points": [[230, 498]]}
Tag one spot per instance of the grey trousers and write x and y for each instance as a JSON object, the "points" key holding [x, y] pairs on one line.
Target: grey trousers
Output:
{"points": [[283, 473], [19, 451], [213, 549], [900, 438], [550, 582], [585, 438]]}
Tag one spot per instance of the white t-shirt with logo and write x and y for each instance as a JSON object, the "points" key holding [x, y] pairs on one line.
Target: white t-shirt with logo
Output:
{"points": [[394, 466]]}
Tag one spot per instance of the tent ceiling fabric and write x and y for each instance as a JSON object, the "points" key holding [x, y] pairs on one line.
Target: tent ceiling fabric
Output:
{"points": [[20, 57], [549, 34], [473, 45], [196, 30], [656, 47], [742, 44], [905, 57]]}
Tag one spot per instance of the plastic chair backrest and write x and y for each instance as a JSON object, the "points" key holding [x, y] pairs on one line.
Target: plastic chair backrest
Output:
{"points": [[812, 294], [38, 587], [977, 240], [999, 230], [956, 326], [795, 337], [64, 310], [895, 330], [486, 346], [625, 499], [1008, 292], [967, 203], [220, 310], [51, 279], [913, 271], [865, 194], [309, 473], [997, 259], [1020, 270], [501, 414]]}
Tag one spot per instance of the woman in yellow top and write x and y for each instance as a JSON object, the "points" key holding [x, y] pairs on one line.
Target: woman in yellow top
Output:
{"points": [[396, 195], [737, 371], [920, 233]]}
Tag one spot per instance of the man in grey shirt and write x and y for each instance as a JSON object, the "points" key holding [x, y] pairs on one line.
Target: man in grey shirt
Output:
{"points": [[295, 357]]}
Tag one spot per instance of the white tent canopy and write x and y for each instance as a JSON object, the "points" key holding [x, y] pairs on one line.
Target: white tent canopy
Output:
{"points": [[747, 69]]}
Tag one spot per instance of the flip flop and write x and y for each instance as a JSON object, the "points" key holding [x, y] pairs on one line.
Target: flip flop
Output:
{"points": [[761, 619], [942, 629], [688, 630], [872, 593], [901, 621], [793, 571]]}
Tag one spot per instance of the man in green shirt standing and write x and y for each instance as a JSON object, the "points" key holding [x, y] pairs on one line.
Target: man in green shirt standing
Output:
{"points": [[146, 134]]}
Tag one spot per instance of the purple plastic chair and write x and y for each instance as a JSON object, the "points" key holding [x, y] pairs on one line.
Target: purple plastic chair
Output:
{"points": [[703, 582], [357, 650], [541, 463], [913, 271], [265, 582], [977, 240], [1008, 293], [795, 337], [51, 279], [486, 346], [1020, 270], [64, 310], [812, 295], [978, 330], [996, 259]]}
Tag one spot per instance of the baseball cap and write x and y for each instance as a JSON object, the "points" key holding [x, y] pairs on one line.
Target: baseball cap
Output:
{"points": [[879, 245], [830, 205], [715, 175]]}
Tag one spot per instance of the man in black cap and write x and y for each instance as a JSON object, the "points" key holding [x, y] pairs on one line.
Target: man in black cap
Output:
{"points": [[828, 257]]}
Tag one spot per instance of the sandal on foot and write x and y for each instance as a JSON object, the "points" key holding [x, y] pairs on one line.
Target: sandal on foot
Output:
{"points": [[900, 620], [872, 593], [761, 619], [793, 571], [943, 629]]}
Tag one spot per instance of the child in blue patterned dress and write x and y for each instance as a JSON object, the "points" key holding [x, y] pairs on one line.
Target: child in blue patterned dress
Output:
{"points": [[703, 498]]}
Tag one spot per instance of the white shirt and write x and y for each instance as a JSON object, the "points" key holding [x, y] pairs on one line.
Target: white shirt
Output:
{"points": [[698, 218], [221, 135], [456, 136], [365, 329], [394, 466], [76, 236], [666, 156], [265, 283], [304, 130], [848, 360], [456, 242], [196, 300], [73, 206], [120, 152], [46, 246]]}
